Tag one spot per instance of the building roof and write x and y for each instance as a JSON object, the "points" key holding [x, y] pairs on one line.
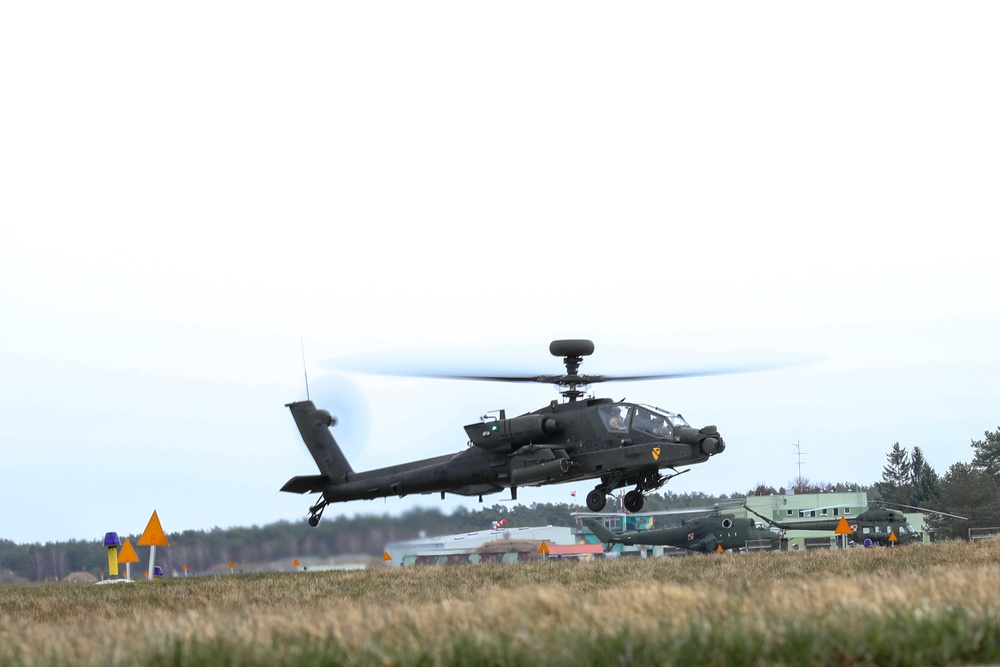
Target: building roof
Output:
{"points": [[574, 549], [468, 542]]}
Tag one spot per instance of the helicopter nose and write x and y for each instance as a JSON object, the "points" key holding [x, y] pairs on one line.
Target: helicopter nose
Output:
{"points": [[712, 445], [712, 442]]}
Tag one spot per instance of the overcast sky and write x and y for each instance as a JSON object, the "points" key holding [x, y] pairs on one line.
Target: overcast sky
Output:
{"points": [[192, 194]]}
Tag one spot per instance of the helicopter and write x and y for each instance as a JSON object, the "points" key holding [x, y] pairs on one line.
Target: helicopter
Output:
{"points": [[876, 525], [617, 443], [715, 532]]}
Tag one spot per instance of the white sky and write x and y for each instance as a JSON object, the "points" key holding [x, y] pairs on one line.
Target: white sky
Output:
{"points": [[187, 192]]}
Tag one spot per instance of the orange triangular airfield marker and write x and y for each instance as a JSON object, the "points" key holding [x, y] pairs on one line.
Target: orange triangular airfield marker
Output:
{"points": [[386, 556], [843, 528], [127, 554], [153, 536], [719, 549], [892, 536], [295, 563], [543, 548]]}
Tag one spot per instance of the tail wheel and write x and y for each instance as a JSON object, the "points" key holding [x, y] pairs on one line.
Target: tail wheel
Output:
{"points": [[316, 512]]}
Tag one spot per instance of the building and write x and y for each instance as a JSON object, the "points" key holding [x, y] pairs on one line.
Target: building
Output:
{"points": [[506, 545], [512, 545], [789, 508]]}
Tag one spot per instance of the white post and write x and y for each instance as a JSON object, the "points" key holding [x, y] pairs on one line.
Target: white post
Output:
{"points": [[152, 562]]}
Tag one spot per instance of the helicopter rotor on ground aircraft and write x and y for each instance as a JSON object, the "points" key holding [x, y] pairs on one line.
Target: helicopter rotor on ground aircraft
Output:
{"points": [[882, 503]]}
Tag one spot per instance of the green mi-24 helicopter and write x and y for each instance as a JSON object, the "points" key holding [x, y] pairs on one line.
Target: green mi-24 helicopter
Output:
{"points": [[713, 533], [616, 443]]}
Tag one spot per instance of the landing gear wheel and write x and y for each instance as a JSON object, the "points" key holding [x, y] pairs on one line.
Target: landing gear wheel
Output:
{"points": [[596, 500], [634, 501], [316, 512]]}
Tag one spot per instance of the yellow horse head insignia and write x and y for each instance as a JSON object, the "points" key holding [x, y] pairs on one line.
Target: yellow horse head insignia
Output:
{"points": [[656, 453]]}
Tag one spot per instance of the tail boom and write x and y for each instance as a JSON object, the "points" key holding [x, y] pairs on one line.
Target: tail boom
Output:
{"points": [[602, 533]]}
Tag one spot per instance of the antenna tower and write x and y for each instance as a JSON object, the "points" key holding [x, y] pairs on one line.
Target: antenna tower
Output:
{"points": [[798, 449]]}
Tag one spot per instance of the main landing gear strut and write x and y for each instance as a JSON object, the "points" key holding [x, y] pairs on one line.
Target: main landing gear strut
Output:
{"points": [[634, 499]]}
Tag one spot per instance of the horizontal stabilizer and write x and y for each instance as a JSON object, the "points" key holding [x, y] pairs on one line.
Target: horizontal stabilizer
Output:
{"points": [[306, 484]]}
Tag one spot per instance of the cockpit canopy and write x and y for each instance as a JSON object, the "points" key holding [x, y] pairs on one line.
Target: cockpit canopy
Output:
{"points": [[622, 417]]}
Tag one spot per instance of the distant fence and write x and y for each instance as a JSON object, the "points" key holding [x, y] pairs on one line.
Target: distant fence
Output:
{"points": [[818, 543], [983, 533]]}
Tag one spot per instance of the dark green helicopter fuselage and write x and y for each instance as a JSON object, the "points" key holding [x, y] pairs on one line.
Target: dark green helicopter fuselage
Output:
{"points": [[619, 443]]}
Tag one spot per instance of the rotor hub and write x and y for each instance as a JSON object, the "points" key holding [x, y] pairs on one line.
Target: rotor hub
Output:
{"points": [[572, 351]]}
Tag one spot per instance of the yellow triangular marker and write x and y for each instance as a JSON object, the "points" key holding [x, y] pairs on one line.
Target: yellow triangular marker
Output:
{"points": [[719, 549], [386, 556], [892, 536], [127, 553], [543, 549], [843, 528], [153, 536]]}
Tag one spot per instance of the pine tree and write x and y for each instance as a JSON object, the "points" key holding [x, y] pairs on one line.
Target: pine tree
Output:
{"points": [[987, 456], [923, 480], [896, 477], [967, 491]]}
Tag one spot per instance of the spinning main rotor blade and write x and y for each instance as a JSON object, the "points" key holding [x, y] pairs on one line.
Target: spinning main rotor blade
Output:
{"points": [[454, 365], [593, 379]]}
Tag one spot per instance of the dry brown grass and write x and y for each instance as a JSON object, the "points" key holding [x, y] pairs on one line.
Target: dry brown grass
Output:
{"points": [[539, 609]]}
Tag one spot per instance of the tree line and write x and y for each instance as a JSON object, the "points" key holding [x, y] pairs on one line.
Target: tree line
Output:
{"points": [[970, 490], [967, 489]]}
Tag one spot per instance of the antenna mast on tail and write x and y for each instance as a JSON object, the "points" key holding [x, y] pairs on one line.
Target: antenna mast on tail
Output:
{"points": [[305, 371]]}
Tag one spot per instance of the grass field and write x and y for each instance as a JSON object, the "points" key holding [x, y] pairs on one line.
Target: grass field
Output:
{"points": [[919, 605]]}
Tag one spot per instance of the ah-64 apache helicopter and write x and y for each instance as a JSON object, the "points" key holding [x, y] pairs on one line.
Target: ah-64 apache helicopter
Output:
{"points": [[715, 532], [617, 443], [877, 525]]}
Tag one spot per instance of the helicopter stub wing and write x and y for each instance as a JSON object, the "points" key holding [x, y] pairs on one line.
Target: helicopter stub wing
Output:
{"points": [[708, 543]]}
